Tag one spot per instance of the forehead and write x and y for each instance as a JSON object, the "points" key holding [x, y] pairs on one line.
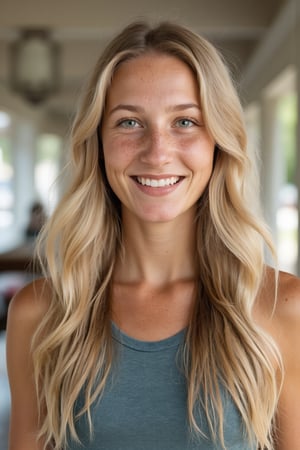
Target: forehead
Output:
{"points": [[153, 74]]}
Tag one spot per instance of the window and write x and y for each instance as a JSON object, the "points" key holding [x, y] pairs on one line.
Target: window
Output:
{"points": [[6, 172], [287, 214], [47, 169]]}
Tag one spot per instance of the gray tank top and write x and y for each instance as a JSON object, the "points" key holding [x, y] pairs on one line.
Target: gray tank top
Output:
{"points": [[143, 406]]}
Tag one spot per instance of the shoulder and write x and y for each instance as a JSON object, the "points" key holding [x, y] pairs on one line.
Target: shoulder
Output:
{"points": [[286, 328], [31, 302], [288, 299], [280, 315], [25, 313], [285, 307]]}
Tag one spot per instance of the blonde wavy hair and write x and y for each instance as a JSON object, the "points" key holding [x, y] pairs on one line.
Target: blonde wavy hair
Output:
{"points": [[84, 237]]}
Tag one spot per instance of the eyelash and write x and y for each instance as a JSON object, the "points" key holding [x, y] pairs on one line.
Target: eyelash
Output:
{"points": [[186, 119], [122, 122]]}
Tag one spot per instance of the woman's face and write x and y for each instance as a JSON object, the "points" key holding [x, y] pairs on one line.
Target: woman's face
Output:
{"points": [[158, 154]]}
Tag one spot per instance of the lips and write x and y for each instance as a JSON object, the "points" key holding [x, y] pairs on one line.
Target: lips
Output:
{"points": [[157, 182]]}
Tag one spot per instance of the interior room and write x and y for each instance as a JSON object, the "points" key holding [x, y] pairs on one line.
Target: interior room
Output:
{"points": [[46, 53]]}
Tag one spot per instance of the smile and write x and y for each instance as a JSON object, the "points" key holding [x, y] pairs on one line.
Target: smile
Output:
{"points": [[157, 183]]}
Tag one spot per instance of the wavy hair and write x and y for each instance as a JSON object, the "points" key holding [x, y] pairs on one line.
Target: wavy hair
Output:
{"points": [[84, 236]]}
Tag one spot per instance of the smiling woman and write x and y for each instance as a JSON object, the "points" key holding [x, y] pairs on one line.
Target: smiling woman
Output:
{"points": [[157, 152], [158, 324]]}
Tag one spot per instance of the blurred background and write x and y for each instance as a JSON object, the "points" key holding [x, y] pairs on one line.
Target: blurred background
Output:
{"points": [[46, 52]]}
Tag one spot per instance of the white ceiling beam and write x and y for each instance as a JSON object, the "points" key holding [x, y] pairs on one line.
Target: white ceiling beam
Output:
{"points": [[275, 36]]}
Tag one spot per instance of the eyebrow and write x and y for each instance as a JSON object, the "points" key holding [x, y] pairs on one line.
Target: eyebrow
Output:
{"points": [[132, 108], [139, 109]]}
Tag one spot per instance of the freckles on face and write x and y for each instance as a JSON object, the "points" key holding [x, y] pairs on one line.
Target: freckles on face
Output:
{"points": [[158, 153]]}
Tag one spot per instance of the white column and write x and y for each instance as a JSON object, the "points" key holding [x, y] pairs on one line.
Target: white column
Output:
{"points": [[273, 169], [24, 149]]}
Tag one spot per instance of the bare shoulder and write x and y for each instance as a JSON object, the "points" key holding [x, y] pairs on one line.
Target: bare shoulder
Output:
{"points": [[281, 319], [26, 311], [30, 303], [280, 316], [288, 300], [286, 333], [286, 319], [286, 307]]}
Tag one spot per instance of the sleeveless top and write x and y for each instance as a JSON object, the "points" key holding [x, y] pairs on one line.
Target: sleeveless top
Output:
{"points": [[143, 406]]}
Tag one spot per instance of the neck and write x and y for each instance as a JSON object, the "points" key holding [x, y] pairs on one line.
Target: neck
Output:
{"points": [[157, 253]]}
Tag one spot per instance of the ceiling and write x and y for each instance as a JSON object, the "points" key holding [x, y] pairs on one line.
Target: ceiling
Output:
{"points": [[82, 28]]}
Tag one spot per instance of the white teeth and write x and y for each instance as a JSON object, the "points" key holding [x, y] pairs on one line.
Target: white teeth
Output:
{"points": [[158, 183]]}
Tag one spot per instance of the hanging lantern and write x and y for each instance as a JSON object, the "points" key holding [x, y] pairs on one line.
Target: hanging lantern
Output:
{"points": [[35, 65]]}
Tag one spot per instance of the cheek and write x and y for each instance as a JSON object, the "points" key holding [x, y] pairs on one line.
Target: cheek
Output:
{"points": [[118, 151], [118, 154], [201, 155]]}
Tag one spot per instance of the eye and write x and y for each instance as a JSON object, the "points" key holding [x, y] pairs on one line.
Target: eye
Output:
{"points": [[128, 123], [185, 123]]}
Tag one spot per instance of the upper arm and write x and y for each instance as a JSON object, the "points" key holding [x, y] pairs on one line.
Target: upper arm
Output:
{"points": [[25, 313], [287, 335]]}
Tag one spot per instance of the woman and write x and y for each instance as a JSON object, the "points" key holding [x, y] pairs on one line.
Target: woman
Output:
{"points": [[158, 325]]}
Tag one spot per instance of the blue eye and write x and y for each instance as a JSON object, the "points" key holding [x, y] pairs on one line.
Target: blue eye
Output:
{"points": [[185, 123], [128, 123]]}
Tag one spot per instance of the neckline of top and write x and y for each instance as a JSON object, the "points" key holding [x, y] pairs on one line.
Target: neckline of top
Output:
{"points": [[147, 346]]}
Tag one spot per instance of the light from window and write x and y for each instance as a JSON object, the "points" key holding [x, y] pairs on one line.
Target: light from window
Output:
{"points": [[47, 169], [6, 173]]}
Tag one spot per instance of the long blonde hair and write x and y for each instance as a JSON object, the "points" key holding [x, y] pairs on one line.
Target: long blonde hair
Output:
{"points": [[84, 236]]}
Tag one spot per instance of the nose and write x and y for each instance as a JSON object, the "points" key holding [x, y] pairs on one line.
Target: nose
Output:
{"points": [[157, 148]]}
